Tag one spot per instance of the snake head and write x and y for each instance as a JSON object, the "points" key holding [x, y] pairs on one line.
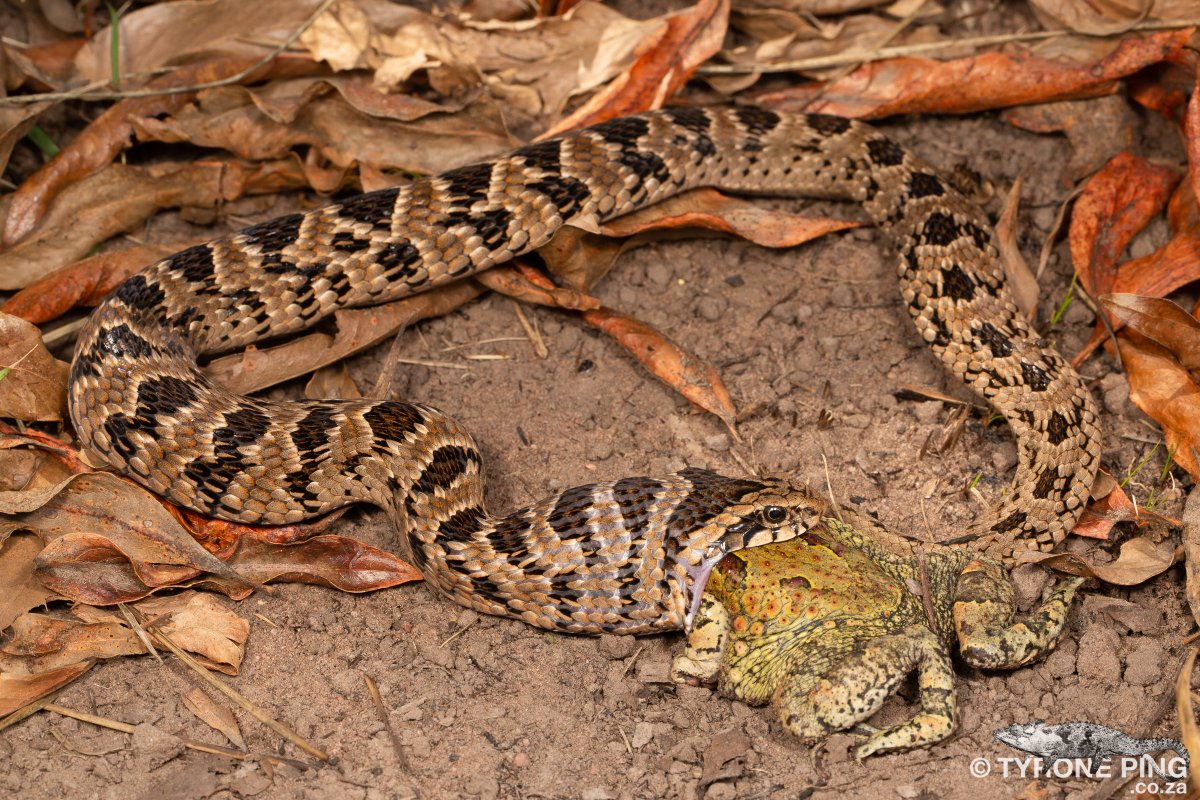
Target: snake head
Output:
{"points": [[753, 513]]}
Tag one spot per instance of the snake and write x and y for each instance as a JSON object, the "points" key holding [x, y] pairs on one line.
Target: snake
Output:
{"points": [[624, 556]]}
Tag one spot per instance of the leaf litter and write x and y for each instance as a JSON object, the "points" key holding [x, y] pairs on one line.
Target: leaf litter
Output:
{"points": [[458, 85]]}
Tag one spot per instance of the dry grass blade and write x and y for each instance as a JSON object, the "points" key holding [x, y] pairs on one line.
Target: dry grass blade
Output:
{"points": [[139, 631], [1191, 551], [237, 697]]}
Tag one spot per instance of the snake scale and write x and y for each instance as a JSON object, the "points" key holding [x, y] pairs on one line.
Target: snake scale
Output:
{"points": [[629, 556]]}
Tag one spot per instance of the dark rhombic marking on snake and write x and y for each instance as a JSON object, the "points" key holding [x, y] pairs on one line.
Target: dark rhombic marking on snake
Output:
{"points": [[629, 556]]}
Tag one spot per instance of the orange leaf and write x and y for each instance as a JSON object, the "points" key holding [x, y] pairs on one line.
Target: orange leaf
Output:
{"points": [[1109, 505], [1173, 265], [977, 83], [338, 561], [1161, 387], [1163, 322], [689, 375], [17, 691], [663, 64]]}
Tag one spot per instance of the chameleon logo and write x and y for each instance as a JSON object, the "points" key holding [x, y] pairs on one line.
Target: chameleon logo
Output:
{"points": [[1083, 740]]}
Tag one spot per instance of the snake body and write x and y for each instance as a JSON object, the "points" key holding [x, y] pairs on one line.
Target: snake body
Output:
{"points": [[628, 556]]}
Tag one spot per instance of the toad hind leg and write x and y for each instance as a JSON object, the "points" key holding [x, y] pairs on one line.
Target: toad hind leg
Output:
{"points": [[705, 644], [988, 636], [857, 688]]}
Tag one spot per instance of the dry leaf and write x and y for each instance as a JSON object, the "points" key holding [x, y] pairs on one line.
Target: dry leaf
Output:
{"points": [[1108, 505], [1097, 129], [1162, 388], [1021, 280], [218, 717], [1189, 730], [85, 282], [1140, 560], [357, 329], [664, 63], [22, 591], [1109, 17], [99, 520], [18, 691], [33, 383], [1163, 322], [1175, 264], [691, 376], [337, 561], [199, 624], [121, 197], [978, 83], [40, 643], [95, 146]]}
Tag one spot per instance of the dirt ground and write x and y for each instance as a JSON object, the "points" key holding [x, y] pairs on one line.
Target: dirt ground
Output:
{"points": [[488, 707]]}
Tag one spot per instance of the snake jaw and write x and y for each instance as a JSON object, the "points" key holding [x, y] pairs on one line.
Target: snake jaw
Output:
{"points": [[699, 574]]}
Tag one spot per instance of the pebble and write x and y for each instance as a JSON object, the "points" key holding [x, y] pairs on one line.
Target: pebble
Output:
{"points": [[521, 760], [643, 733], [1115, 391], [1061, 662], [154, 746], [659, 274], [347, 683], [1143, 667], [721, 791], [1097, 658], [598, 793], [718, 442], [617, 647], [1044, 217], [711, 307]]}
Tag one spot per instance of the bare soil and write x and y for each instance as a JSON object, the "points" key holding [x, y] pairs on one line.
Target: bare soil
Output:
{"points": [[814, 345]]}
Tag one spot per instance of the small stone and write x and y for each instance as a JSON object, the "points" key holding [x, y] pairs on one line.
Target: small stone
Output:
{"points": [[1138, 619], [598, 793], [718, 442], [1115, 391], [521, 760], [721, 791], [842, 296], [643, 733], [1097, 657], [711, 307], [1143, 667], [601, 449], [736, 281], [907, 791], [1029, 580], [1077, 313], [154, 747], [347, 683], [1044, 217], [617, 647], [1061, 662], [659, 274], [928, 413]]}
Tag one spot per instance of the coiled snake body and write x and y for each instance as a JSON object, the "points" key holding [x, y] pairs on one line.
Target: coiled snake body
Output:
{"points": [[629, 556]]}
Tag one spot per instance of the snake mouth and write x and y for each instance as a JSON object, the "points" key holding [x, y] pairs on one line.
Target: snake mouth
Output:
{"points": [[699, 574]]}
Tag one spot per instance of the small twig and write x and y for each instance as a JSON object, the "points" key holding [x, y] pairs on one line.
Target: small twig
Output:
{"points": [[63, 332], [264, 619], [837, 510], [459, 632], [632, 660], [191, 744], [628, 746], [535, 337], [424, 362], [858, 55], [397, 745], [237, 697], [86, 93], [140, 631]]}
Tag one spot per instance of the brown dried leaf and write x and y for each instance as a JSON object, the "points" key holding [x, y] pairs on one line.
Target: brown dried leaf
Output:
{"points": [[664, 63], [22, 591], [532, 67], [978, 83], [725, 757], [33, 383], [100, 508], [686, 373], [85, 282], [340, 119], [162, 34], [1161, 321], [1021, 279], [18, 691], [15, 122], [121, 197], [1109, 17], [708, 209], [357, 329], [1162, 388], [1140, 560], [1189, 730], [515, 283], [218, 717], [97, 144], [1175, 264], [332, 382], [40, 643], [198, 623], [1108, 505], [337, 561], [1097, 129]]}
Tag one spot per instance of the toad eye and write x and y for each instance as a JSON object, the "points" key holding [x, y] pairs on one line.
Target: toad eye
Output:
{"points": [[774, 515]]}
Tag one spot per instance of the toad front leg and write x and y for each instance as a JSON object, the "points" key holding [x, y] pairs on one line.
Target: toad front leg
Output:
{"points": [[857, 688], [706, 642]]}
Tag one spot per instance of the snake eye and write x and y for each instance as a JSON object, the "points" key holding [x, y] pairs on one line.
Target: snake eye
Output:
{"points": [[774, 514]]}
